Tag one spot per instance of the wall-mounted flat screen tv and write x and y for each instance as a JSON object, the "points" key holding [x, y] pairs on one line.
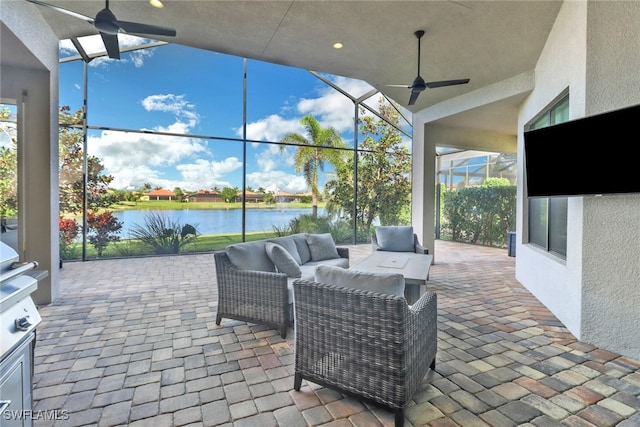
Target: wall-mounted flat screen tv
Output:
{"points": [[593, 155]]}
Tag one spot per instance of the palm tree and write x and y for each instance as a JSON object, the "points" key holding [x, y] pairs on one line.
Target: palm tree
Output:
{"points": [[311, 154]]}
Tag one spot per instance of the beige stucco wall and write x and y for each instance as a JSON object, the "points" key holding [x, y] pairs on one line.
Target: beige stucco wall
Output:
{"points": [[35, 91], [611, 233], [592, 52], [561, 66]]}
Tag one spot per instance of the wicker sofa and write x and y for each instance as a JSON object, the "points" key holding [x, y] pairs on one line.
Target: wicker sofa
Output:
{"points": [[364, 343], [255, 279]]}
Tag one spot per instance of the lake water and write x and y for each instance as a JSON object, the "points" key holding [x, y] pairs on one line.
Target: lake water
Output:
{"points": [[217, 221]]}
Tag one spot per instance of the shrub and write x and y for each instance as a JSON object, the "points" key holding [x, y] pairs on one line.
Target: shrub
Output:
{"points": [[103, 228], [310, 224], [341, 230], [68, 229], [163, 235], [480, 214]]}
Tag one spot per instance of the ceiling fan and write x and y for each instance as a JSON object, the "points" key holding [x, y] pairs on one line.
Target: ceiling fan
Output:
{"points": [[418, 84], [109, 26]]}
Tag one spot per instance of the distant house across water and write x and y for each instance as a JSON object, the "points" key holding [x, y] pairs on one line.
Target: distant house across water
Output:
{"points": [[206, 196], [213, 196], [161, 195], [284, 197], [251, 197]]}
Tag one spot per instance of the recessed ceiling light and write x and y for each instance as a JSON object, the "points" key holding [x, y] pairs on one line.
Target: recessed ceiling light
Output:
{"points": [[156, 3], [337, 45]]}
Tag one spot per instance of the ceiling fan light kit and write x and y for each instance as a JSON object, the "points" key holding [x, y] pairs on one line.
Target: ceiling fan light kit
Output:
{"points": [[418, 85], [109, 26]]}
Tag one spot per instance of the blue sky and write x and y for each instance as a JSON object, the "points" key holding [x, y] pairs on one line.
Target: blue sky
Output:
{"points": [[183, 90]]}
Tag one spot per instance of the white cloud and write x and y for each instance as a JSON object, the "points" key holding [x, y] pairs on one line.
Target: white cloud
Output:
{"points": [[121, 150], [272, 128], [135, 159], [270, 157], [266, 163], [195, 176], [277, 181], [138, 57], [331, 108], [170, 103], [166, 102], [135, 177], [207, 174], [270, 177]]}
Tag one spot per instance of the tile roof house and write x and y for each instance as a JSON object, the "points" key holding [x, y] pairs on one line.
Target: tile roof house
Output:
{"points": [[251, 196], [283, 197], [161, 194], [205, 196]]}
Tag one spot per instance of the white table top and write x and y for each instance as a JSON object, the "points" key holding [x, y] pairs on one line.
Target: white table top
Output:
{"points": [[414, 267]]}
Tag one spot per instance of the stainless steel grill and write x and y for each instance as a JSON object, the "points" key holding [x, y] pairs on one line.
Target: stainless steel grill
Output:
{"points": [[19, 318]]}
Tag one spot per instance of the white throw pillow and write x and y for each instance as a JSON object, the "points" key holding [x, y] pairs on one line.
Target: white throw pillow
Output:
{"points": [[384, 283], [282, 259], [322, 246]]}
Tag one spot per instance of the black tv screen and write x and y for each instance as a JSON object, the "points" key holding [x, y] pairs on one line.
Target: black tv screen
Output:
{"points": [[589, 156]]}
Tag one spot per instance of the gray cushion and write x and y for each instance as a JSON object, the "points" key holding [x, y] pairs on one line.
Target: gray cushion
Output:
{"points": [[303, 248], [336, 262], [395, 238], [385, 283], [283, 261], [289, 244], [308, 271], [322, 247], [250, 256]]}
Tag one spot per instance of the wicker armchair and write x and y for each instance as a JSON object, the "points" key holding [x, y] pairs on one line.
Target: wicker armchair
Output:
{"points": [[369, 345], [252, 296], [260, 297], [417, 247]]}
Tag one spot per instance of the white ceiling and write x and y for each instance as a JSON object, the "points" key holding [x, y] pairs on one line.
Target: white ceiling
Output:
{"points": [[485, 41]]}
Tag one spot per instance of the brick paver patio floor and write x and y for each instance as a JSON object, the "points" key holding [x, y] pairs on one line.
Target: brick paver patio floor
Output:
{"points": [[134, 342]]}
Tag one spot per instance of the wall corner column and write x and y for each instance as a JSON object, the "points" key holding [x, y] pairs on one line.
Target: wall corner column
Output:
{"points": [[33, 85], [423, 185]]}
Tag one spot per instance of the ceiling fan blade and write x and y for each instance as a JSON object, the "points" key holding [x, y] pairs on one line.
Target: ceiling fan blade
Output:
{"points": [[111, 44], [138, 28], [413, 98], [442, 83], [63, 10], [418, 85]]}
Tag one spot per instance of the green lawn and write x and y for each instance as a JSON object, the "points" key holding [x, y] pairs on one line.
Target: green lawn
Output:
{"points": [[132, 247]]}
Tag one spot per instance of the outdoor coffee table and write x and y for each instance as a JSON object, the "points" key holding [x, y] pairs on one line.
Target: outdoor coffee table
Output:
{"points": [[414, 267]]}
